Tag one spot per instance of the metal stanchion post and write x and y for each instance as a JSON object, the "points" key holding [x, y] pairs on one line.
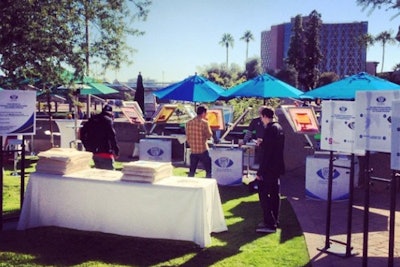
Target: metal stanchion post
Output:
{"points": [[393, 189]]}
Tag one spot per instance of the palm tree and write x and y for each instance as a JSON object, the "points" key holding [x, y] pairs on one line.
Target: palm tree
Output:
{"points": [[247, 37], [365, 40], [384, 37], [227, 40]]}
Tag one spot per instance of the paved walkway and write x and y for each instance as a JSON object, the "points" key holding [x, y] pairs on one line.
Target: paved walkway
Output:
{"points": [[312, 217]]}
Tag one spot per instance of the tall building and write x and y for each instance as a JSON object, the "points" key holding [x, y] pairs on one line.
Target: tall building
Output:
{"points": [[341, 52]]}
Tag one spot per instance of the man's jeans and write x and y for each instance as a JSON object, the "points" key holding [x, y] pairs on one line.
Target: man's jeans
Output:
{"points": [[194, 161]]}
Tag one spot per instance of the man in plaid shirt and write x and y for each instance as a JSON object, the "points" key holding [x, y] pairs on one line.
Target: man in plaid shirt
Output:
{"points": [[198, 131]]}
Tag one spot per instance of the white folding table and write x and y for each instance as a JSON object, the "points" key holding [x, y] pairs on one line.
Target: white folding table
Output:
{"points": [[178, 208]]}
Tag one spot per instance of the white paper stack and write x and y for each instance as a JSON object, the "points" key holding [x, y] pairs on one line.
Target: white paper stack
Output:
{"points": [[146, 171], [63, 161]]}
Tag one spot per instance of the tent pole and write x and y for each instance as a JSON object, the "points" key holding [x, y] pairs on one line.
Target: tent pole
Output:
{"points": [[88, 106]]}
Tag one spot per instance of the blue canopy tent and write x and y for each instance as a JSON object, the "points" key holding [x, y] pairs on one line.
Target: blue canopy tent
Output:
{"points": [[194, 88], [86, 86], [345, 89], [265, 86]]}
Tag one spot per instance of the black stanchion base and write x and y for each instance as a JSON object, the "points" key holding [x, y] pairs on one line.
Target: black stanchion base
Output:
{"points": [[338, 248]]}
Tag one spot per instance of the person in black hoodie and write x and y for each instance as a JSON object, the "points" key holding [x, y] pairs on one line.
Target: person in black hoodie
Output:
{"points": [[272, 166], [98, 136], [255, 131]]}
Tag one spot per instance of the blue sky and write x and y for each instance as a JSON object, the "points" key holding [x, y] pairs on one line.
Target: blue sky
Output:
{"points": [[183, 35]]}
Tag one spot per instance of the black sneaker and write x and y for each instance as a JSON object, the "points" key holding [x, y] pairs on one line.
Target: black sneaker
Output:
{"points": [[262, 224], [253, 187], [266, 230]]}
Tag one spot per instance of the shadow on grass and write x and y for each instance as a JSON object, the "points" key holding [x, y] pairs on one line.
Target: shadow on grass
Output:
{"points": [[66, 247], [30, 163], [246, 214]]}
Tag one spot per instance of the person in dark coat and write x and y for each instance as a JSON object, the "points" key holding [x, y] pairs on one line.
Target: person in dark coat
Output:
{"points": [[255, 131], [99, 137], [272, 166]]}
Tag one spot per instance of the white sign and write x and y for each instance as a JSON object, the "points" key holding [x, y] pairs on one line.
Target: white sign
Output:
{"points": [[395, 155], [338, 127], [373, 119], [226, 165], [317, 178], [155, 149], [17, 112]]}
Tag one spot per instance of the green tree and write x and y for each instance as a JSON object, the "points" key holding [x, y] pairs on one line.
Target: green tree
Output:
{"points": [[391, 4], [287, 75], [395, 75], [373, 4], [365, 40], [219, 74], [33, 40], [313, 55], [327, 78], [247, 37], [296, 55], [253, 68], [227, 41], [384, 38], [40, 38]]}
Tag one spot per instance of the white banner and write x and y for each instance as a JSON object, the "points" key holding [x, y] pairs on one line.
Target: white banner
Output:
{"points": [[338, 127], [373, 119], [395, 155], [17, 112]]}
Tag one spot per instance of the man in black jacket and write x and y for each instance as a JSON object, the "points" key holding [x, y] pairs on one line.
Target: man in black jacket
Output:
{"points": [[272, 166], [98, 136], [255, 131]]}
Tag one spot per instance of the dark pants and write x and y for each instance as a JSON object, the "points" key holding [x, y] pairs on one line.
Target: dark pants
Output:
{"points": [[103, 163], [268, 192], [257, 159], [194, 161]]}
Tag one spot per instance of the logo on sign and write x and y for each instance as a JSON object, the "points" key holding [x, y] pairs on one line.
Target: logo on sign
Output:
{"points": [[380, 99], [351, 125], [13, 97], [155, 151], [343, 109], [223, 162], [324, 173]]}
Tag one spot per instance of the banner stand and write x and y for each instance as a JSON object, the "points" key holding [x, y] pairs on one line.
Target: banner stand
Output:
{"points": [[393, 189], [367, 183], [392, 212], [1, 182], [332, 246], [21, 105], [22, 176]]}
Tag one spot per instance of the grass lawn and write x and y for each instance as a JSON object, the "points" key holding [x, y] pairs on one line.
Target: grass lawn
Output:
{"points": [[239, 246]]}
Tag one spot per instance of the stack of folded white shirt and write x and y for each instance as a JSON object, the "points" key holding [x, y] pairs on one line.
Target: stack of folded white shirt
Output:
{"points": [[63, 161], [146, 171]]}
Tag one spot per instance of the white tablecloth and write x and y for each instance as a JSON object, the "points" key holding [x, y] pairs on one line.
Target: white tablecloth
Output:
{"points": [[178, 208]]}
